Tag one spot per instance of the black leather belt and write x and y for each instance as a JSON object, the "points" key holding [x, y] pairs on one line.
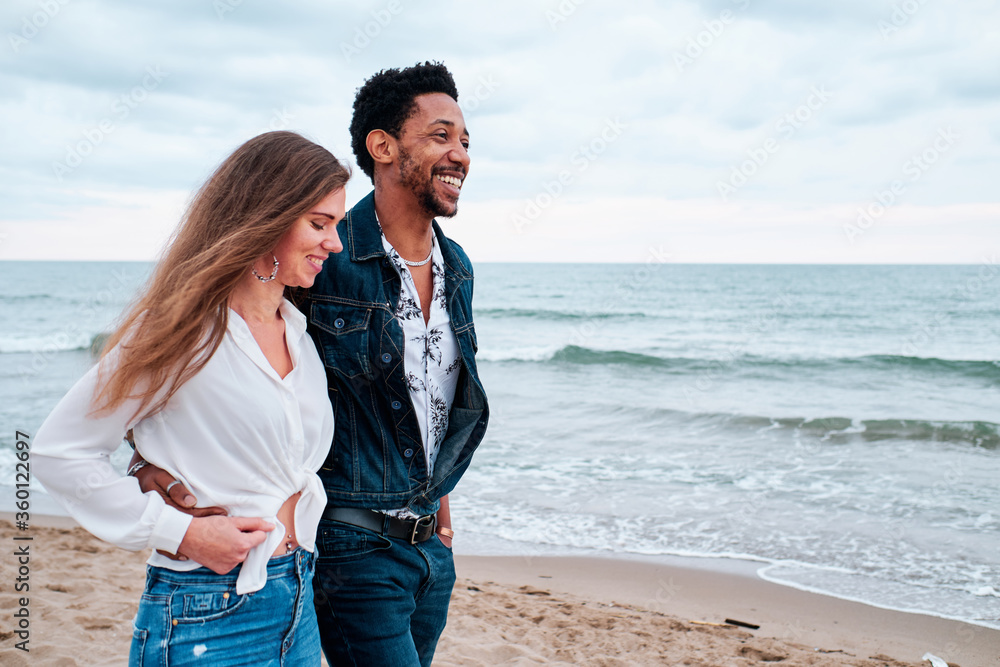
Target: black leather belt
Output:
{"points": [[413, 531]]}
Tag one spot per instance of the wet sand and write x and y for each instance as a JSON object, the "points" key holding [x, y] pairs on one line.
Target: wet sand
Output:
{"points": [[517, 611]]}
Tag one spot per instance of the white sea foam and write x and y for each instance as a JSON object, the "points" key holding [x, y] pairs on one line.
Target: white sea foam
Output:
{"points": [[524, 353], [720, 424], [58, 342]]}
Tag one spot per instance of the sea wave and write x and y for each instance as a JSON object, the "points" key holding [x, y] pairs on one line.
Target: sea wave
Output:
{"points": [[977, 368], [837, 429], [60, 342], [26, 298], [575, 354], [884, 578], [832, 430], [547, 314]]}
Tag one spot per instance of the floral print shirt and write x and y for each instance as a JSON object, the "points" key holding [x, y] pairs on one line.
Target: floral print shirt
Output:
{"points": [[431, 356]]}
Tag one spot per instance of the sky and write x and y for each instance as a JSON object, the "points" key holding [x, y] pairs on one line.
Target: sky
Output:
{"points": [[720, 131]]}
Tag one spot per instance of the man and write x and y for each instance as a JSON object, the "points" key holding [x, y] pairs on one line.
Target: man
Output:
{"points": [[391, 316]]}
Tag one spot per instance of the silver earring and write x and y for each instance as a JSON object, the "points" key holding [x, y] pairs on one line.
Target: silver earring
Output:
{"points": [[274, 272]]}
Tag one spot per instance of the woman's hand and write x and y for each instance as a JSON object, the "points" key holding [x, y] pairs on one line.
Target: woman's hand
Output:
{"points": [[220, 543]]}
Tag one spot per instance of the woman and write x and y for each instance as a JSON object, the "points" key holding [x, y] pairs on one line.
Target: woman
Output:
{"points": [[214, 371]]}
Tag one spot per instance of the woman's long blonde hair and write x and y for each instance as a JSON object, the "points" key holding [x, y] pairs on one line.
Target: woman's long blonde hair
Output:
{"points": [[237, 217]]}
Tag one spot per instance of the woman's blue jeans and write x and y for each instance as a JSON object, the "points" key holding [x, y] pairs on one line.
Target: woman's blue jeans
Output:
{"points": [[196, 618], [380, 601]]}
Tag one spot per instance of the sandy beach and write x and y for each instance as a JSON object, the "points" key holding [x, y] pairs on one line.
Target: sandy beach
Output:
{"points": [[517, 611]]}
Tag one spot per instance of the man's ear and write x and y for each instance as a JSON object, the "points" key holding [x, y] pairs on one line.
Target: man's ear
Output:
{"points": [[381, 146]]}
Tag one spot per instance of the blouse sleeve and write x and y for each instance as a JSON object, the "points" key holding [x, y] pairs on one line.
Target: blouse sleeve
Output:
{"points": [[70, 456]]}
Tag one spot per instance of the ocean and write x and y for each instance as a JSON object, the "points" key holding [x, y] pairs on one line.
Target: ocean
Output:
{"points": [[838, 424]]}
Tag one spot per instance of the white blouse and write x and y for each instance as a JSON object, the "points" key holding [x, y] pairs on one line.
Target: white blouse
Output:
{"points": [[236, 434]]}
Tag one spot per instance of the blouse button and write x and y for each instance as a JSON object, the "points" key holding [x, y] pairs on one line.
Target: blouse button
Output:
{"points": [[339, 323], [408, 453], [386, 358], [396, 405]]}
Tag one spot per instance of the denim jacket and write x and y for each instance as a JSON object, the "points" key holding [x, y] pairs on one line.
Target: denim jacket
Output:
{"points": [[377, 459]]}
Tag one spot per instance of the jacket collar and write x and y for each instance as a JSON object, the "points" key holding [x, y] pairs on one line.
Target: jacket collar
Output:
{"points": [[364, 238]]}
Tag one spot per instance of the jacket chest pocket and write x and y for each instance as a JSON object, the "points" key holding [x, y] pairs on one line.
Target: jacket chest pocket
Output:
{"points": [[343, 334]]}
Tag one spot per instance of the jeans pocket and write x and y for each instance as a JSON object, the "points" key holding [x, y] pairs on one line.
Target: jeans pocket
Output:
{"points": [[206, 604], [137, 652], [148, 630], [340, 543]]}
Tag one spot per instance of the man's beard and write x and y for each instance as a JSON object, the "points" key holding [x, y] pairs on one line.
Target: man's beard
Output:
{"points": [[424, 190]]}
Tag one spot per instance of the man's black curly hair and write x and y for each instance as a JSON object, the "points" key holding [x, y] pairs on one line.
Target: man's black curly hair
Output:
{"points": [[386, 100]]}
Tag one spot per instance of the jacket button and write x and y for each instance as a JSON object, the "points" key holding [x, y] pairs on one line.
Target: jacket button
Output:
{"points": [[386, 358], [408, 453], [396, 405], [339, 323]]}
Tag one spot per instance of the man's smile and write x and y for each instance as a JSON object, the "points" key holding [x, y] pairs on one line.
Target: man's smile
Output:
{"points": [[450, 180]]}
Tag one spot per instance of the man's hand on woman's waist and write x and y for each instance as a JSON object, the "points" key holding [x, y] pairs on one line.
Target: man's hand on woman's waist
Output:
{"points": [[174, 493]]}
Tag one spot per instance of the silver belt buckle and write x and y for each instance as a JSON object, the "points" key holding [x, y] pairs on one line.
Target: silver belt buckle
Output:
{"points": [[428, 520]]}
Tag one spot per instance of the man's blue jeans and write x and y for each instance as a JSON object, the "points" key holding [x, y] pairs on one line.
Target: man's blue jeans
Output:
{"points": [[196, 618], [380, 600]]}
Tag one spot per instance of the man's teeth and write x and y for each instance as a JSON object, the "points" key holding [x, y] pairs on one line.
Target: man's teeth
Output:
{"points": [[450, 180]]}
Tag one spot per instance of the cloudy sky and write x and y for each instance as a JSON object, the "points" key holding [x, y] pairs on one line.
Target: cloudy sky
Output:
{"points": [[791, 131]]}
